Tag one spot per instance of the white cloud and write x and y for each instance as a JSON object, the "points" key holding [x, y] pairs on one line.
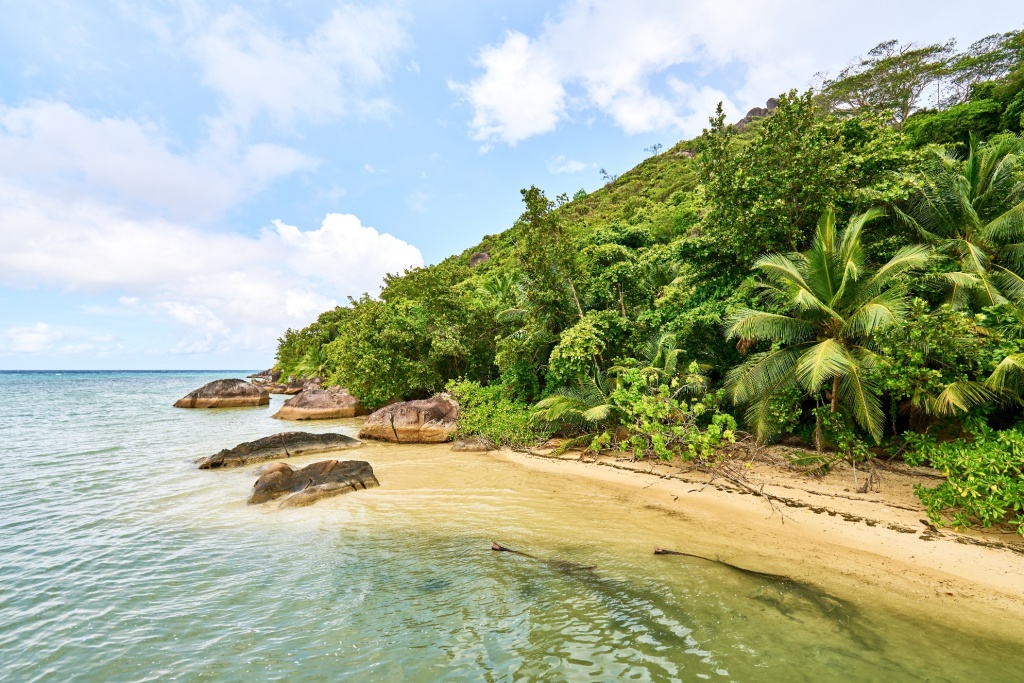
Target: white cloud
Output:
{"points": [[562, 165], [648, 64], [520, 95], [256, 70], [31, 339], [225, 290], [61, 150], [44, 338]]}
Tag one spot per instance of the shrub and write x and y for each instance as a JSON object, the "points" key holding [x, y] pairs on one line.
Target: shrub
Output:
{"points": [[984, 479], [665, 427], [490, 413]]}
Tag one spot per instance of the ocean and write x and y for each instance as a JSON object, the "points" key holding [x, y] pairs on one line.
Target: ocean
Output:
{"points": [[120, 561]]}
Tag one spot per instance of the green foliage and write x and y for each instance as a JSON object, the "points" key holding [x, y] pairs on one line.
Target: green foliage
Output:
{"points": [[378, 353], [890, 80], [489, 412], [764, 193], [582, 408], [830, 306], [297, 347], [664, 427], [984, 478], [585, 344], [836, 430], [1012, 118], [935, 363], [972, 211], [956, 124]]}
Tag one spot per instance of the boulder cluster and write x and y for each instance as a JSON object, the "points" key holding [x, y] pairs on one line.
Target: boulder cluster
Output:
{"points": [[430, 420]]}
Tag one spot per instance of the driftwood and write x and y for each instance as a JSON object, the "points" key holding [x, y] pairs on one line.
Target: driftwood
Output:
{"points": [[742, 570], [557, 564]]}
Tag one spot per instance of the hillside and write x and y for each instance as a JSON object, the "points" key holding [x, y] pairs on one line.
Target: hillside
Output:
{"points": [[844, 272]]}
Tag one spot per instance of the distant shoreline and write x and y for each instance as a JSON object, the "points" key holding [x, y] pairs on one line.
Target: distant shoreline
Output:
{"points": [[138, 372]]}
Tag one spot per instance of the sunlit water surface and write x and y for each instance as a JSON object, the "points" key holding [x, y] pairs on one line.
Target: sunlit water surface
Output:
{"points": [[120, 561]]}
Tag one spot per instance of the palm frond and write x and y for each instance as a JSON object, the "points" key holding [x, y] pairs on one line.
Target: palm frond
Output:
{"points": [[856, 392], [821, 362], [959, 397], [762, 373], [758, 325], [1007, 374]]}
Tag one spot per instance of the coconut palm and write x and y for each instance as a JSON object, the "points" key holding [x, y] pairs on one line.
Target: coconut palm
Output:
{"points": [[314, 363], [583, 407], [830, 305], [973, 212]]}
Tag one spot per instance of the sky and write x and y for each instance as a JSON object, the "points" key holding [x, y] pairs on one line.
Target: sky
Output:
{"points": [[183, 180]]}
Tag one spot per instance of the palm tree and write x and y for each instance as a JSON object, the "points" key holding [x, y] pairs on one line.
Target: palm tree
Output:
{"points": [[584, 407], [830, 306], [314, 363], [973, 212]]}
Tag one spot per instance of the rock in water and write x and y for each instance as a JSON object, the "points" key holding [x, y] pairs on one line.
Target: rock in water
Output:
{"points": [[431, 420], [225, 393], [284, 445], [474, 444], [313, 482], [314, 403]]}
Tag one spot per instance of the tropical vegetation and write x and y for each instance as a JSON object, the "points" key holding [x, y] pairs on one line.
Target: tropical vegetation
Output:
{"points": [[847, 272]]}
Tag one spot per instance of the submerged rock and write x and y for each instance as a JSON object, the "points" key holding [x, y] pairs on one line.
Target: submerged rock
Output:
{"points": [[430, 420], [312, 482], [225, 393], [314, 403], [475, 444], [283, 445]]}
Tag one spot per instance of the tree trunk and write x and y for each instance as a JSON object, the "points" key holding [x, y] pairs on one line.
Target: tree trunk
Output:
{"points": [[819, 438], [835, 394], [575, 298]]}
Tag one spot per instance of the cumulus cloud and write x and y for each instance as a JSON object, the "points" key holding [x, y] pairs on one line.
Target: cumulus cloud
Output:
{"points": [[648, 64], [58, 149], [44, 338], [562, 165], [225, 290], [256, 70]]}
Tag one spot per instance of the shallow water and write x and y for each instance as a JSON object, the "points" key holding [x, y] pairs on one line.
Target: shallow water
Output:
{"points": [[119, 561]]}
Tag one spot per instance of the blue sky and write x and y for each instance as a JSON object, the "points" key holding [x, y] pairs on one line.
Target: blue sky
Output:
{"points": [[181, 180]]}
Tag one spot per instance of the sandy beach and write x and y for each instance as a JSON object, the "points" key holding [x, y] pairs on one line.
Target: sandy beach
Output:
{"points": [[817, 529]]}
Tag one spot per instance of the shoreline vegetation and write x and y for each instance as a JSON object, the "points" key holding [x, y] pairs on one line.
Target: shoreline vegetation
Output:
{"points": [[831, 290]]}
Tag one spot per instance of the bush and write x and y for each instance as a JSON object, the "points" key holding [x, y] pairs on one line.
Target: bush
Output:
{"points": [[954, 125], [490, 413], [663, 426], [984, 479]]}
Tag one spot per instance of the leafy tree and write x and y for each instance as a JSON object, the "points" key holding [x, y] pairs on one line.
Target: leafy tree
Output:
{"points": [[989, 59], [764, 191], [379, 354], [935, 364], [956, 124], [892, 78], [831, 305], [973, 212]]}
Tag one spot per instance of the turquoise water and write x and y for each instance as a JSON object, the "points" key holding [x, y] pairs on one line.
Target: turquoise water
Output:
{"points": [[119, 561]]}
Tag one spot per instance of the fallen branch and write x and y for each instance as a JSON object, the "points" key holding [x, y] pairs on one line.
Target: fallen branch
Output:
{"points": [[558, 564]]}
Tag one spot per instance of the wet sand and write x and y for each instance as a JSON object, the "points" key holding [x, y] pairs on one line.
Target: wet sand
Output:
{"points": [[820, 531]]}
